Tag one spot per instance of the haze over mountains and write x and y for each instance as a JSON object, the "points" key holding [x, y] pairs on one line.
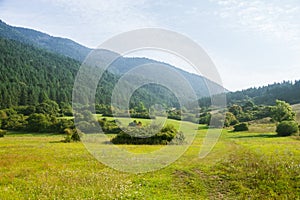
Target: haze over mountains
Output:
{"points": [[58, 45], [53, 62], [35, 65]]}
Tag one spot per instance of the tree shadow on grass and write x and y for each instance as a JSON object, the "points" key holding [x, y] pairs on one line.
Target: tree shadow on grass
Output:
{"points": [[263, 135], [58, 141]]}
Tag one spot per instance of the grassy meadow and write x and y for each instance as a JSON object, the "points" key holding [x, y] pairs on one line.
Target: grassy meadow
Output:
{"points": [[243, 165]]}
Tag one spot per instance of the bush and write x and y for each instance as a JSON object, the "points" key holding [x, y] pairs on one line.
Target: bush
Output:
{"points": [[14, 122], [75, 136], [109, 126], [2, 133], [230, 119], [150, 135], [38, 122], [205, 118], [287, 128], [71, 135], [241, 127]]}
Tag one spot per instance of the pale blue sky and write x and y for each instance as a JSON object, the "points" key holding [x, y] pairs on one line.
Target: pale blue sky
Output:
{"points": [[252, 43]]}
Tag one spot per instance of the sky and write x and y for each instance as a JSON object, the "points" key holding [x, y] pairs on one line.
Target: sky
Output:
{"points": [[252, 43]]}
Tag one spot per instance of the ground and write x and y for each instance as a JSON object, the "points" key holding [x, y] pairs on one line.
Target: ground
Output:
{"points": [[243, 165]]}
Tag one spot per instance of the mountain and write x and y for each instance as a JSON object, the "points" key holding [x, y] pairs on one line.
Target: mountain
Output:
{"points": [[34, 65], [58, 45], [199, 83], [288, 91], [78, 52], [60, 58], [29, 75]]}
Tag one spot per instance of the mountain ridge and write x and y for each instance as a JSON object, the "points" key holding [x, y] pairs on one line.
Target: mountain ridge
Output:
{"points": [[59, 45], [78, 52]]}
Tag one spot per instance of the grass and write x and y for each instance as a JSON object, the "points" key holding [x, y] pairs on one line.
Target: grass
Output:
{"points": [[243, 165], [296, 108]]}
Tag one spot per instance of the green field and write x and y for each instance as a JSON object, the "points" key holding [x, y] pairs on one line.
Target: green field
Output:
{"points": [[245, 165]]}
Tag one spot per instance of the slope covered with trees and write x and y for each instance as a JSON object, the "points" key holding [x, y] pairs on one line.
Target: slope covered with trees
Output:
{"points": [[59, 45], [78, 52], [288, 91], [30, 75]]}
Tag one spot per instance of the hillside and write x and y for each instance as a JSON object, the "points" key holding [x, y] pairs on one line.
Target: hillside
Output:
{"points": [[266, 95], [30, 75], [199, 83], [78, 52], [54, 44], [287, 91]]}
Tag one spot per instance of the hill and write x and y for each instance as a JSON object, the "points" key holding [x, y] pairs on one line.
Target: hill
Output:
{"points": [[58, 45], [199, 83], [78, 52], [30, 75], [266, 95], [287, 91]]}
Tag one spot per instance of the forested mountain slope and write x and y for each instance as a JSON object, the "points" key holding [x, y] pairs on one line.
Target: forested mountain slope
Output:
{"points": [[288, 91], [59, 45], [29, 75], [78, 52]]}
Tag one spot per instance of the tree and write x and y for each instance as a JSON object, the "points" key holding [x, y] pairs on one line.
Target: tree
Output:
{"points": [[282, 111], [38, 122], [235, 109], [248, 106], [140, 108], [48, 107], [241, 127], [66, 109], [230, 119], [286, 128], [14, 122], [205, 118]]}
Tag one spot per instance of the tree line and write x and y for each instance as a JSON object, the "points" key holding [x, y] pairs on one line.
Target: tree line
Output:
{"points": [[287, 91], [30, 75]]}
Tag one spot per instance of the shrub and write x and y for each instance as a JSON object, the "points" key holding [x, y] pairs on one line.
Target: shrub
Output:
{"points": [[38, 122], [150, 135], [287, 128], [205, 118], [2, 133], [75, 136], [71, 135], [62, 124], [109, 126], [14, 122], [135, 123], [241, 127], [230, 119]]}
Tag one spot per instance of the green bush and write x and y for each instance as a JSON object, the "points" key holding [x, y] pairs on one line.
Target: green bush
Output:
{"points": [[230, 119], [150, 135], [2, 133], [39, 122], [241, 127], [205, 118], [15, 122], [287, 128], [71, 135], [109, 126]]}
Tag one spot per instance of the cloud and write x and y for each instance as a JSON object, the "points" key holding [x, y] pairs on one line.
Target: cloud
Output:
{"points": [[100, 19], [276, 21], [115, 14]]}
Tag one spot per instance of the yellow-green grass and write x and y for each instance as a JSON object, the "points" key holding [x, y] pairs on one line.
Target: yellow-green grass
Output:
{"points": [[296, 108], [243, 165]]}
